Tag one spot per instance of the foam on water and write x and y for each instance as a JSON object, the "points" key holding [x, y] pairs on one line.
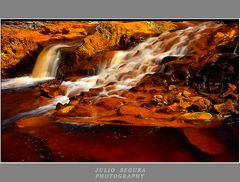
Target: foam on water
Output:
{"points": [[123, 72], [37, 111], [22, 82], [127, 68], [44, 69]]}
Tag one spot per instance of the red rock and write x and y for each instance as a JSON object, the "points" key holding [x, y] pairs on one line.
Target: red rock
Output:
{"points": [[200, 53], [197, 116], [184, 103], [63, 90], [65, 109], [49, 90], [82, 111], [226, 108], [21, 43], [92, 92], [74, 102], [134, 110], [230, 91], [110, 103], [43, 98], [204, 141], [33, 121]]}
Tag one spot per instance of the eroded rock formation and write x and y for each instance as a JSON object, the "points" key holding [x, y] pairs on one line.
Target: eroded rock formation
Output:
{"points": [[183, 80]]}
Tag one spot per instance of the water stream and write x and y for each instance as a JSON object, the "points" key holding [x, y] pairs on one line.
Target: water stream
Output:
{"points": [[127, 68], [123, 72], [53, 139]]}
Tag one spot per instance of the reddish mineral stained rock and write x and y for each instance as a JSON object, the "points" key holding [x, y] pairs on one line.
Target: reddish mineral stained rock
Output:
{"points": [[21, 43], [227, 107], [164, 99], [51, 89], [204, 141], [65, 110], [110, 103], [134, 110], [197, 116], [204, 50], [231, 89], [200, 103], [99, 46], [36, 121], [181, 99], [83, 111]]}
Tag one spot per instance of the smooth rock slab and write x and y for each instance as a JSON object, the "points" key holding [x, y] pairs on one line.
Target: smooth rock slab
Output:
{"points": [[197, 116]]}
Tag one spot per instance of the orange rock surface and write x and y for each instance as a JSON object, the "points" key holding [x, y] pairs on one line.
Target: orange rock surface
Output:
{"points": [[18, 42], [185, 111]]}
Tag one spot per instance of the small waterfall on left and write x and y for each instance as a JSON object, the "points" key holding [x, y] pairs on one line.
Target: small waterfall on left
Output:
{"points": [[125, 69], [44, 69], [47, 62]]}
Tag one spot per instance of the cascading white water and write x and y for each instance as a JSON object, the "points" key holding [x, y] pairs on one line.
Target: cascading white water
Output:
{"points": [[128, 67], [37, 111], [47, 62], [44, 69], [21, 82]]}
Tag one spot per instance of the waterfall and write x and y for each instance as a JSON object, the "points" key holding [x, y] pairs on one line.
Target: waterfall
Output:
{"points": [[47, 62], [127, 68], [44, 69]]}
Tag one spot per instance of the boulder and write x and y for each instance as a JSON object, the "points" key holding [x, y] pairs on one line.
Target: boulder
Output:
{"points": [[136, 111], [109, 103], [65, 110], [36, 121], [197, 116], [227, 107], [82, 111]]}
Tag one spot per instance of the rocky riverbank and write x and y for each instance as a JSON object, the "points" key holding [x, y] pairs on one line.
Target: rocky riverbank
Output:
{"points": [[181, 75], [23, 41]]}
